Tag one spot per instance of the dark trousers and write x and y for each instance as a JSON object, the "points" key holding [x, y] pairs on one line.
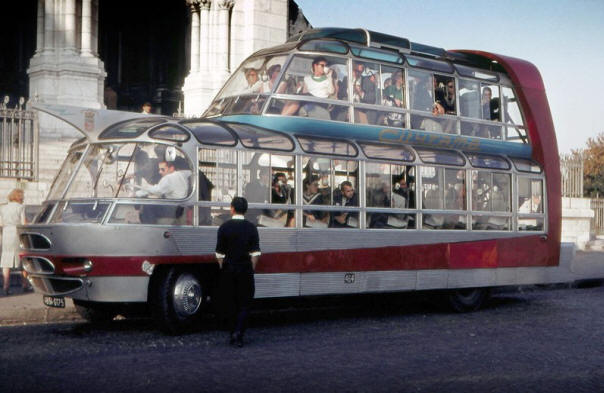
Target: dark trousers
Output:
{"points": [[237, 291]]}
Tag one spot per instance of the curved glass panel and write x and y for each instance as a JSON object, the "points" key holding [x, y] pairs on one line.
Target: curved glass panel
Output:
{"points": [[170, 133], [258, 138], [374, 54], [430, 64], [80, 212], [132, 170], [488, 161], [388, 152], [526, 165], [210, 133], [327, 146], [324, 46], [474, 73], [442, 157], [255, 76], [69, 165], [130, 129]]}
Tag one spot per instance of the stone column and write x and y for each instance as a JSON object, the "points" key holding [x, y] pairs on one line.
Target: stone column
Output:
{"points": [[86, 28], [222, 44], [40, 27], [49, 25], [70, 26], [204, 34], [194, 5]]}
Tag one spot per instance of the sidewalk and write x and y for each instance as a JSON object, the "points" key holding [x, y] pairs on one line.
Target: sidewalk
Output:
{"points": [[22, 308]]}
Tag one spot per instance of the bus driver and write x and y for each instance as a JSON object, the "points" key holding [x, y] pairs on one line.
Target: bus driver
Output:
{"points": [[172, 185]]}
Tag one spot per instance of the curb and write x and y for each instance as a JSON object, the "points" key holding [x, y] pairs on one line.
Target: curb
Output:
{"points": [[40, 315]]}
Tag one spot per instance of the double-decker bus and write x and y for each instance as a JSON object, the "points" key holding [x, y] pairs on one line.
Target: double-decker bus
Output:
{"points": [[370, 164]]}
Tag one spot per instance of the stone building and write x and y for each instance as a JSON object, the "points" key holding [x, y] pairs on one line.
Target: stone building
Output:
{"points": [[118, 55]]}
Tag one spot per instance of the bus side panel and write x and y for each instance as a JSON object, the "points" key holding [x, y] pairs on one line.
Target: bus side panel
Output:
{"points": [[473, 255], [527, 251]]}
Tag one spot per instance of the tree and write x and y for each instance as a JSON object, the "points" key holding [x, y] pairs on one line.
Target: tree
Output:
{"points": [[593, 167]]}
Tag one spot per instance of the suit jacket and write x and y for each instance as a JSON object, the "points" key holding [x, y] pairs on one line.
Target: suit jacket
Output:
{"points": [[237, 241]]}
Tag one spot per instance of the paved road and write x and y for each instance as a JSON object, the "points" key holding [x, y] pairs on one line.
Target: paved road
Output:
{"points": [[538, 340]]}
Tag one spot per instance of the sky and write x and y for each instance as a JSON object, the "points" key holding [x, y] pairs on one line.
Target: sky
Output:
{"points": [[563, 38]]}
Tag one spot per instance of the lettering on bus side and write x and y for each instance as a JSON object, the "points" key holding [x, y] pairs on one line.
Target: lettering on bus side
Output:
{"points": [[349, 278], [442, 141]]}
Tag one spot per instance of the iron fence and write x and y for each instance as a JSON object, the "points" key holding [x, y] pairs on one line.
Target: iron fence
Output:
{"points": [[571, 169], [597, 225], [18, 142]]}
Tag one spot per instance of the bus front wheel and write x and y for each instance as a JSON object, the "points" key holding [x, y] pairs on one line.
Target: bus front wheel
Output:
{"points": [[467, 299], [175, 297]]}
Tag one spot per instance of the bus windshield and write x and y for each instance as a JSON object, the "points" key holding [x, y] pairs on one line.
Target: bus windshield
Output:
{"points": [[247, 89], [128, 170]]}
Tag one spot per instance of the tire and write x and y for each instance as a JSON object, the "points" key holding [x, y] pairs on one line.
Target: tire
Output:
{"points": [[467, 299], [175, 298], [94, 313]]}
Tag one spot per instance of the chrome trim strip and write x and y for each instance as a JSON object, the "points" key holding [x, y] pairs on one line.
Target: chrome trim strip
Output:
{"points": [[53, 268], [48, 287]]}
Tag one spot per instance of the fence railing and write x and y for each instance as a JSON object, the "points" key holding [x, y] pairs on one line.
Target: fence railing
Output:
{"points": [[597, 224], [571, 169], [18, 142]]}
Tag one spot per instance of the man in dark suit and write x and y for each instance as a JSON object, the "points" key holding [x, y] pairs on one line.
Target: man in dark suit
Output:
{"points": [[237, 251]]}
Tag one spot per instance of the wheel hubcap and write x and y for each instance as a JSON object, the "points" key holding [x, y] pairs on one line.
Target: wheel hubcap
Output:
{"points": [[187, 295]]}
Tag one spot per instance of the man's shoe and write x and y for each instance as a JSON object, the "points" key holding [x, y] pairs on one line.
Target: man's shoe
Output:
{"points": [[7, 292]]}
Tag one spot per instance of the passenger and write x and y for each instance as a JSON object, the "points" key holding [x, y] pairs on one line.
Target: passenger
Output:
{"points": [[312, 196], [345, 197], [172, 185], [254, 85], [381, 198], [273, 74], [281, 192], [489, 105], [320, 84], [393, 96], [447, 98]]}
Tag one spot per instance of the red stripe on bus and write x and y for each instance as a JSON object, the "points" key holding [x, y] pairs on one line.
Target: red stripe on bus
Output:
{"points": [[514, 252]]}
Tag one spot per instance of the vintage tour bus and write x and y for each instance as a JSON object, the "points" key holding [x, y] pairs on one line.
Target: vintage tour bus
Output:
{"points": [[370, 163]]}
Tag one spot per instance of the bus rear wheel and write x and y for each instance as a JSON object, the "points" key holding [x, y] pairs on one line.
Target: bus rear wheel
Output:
{"points": [[175, 297], [467, 299]]}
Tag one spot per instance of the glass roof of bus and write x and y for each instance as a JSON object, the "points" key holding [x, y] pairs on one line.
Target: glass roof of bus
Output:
{"points": [[210, 133], [130, 129]]}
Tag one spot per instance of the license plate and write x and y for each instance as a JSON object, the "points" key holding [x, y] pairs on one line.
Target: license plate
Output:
{"points": [[53, 301]]}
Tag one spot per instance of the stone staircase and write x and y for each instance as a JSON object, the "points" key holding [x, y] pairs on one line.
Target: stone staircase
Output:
{"points": [[596, 244]]}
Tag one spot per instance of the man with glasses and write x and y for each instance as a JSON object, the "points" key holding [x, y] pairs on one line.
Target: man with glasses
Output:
{"points": [[447, 97], [172, 185]]}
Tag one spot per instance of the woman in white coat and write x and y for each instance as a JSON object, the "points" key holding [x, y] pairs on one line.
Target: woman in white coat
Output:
{"points": [[11, 215]]}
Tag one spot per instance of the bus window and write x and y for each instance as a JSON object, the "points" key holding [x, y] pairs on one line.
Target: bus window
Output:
{"points": [[421, 91], [69, 166], [319, 77], [256, 177], [389, 186], [480, 130], [220, 169], [434, 124], [387, 152], [443, 188], [306, 108], [445, 93], [530, 195], [327, 146], [511, 108], [442, 157], [282, 182], [490, 102], [152, 214], [469, 98]]}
